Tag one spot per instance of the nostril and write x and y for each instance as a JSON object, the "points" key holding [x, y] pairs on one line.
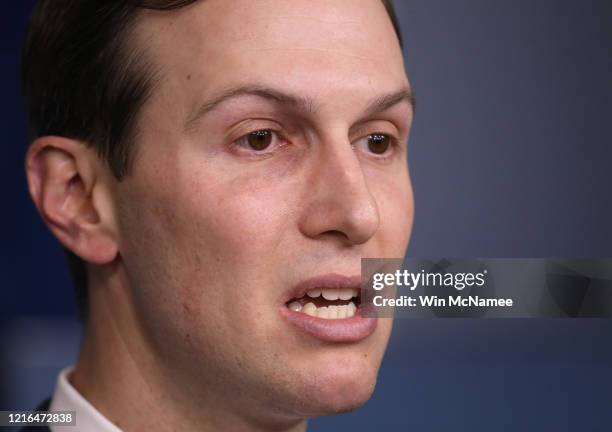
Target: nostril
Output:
{"points": [[336, 233]]}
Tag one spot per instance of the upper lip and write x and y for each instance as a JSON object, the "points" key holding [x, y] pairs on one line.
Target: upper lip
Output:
{"points": [[330, 280]]}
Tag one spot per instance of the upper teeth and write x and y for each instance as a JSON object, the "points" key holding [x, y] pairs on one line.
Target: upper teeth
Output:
{"points": [[327, 312], [334, 293], [331, 311]]}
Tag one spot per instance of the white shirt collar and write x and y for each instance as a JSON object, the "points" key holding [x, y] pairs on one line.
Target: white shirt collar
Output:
{"points": [[67, 398]]}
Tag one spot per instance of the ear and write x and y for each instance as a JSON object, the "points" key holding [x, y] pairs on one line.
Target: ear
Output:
{"points": [[70, 187]]}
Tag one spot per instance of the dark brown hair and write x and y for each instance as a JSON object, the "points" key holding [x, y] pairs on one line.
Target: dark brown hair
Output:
{"points": [[83, 80]]}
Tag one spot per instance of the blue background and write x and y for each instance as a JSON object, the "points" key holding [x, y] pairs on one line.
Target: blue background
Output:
{"points": [[511, 156]]}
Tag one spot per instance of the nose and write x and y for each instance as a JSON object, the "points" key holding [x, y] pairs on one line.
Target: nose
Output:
{"points": [[339, 203]]}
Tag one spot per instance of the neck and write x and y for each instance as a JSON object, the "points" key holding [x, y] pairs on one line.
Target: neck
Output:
{"points": [[119, 373]]}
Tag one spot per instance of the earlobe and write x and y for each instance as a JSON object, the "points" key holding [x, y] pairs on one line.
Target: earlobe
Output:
{"points": [[62, 178]]}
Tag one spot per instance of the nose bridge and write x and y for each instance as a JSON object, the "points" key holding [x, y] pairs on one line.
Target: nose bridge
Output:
{"points": [[346, 177], [340, 202]]}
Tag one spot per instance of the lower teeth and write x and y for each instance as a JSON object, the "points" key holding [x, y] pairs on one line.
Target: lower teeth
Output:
{"points": [[326, 312]]}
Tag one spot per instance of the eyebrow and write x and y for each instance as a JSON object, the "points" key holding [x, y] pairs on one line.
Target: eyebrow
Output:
{"points": [[379, 104], [387, 101]]}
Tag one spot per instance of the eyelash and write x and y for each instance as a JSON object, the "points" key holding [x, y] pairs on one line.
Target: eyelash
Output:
{"points": [[242, 145]]}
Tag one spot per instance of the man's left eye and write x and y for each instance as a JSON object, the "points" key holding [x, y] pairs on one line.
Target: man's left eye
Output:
{"points": [[376, 143]]}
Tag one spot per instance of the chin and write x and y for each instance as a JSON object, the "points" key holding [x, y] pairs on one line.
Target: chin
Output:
{"points": [[343, 395], [338, 387], [346, 401]]}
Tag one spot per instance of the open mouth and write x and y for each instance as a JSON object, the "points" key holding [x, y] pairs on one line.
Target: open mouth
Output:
{"points": [[328, 307], [327, 303]]}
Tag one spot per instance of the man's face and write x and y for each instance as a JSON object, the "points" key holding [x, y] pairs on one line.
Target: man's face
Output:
{"points": [[219, 224]]}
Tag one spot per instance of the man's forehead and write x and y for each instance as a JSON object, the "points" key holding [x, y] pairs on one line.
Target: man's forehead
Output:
{"points": [[316, 50], [347, 28]]}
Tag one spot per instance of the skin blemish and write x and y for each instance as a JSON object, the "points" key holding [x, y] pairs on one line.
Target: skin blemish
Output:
{"points": [[188, 310]]}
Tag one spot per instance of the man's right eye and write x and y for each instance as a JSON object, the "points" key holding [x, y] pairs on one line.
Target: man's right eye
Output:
{"points": [[258, 141]]}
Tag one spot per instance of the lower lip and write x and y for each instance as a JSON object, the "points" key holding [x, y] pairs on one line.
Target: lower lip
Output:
{"points": [[351, 329]]}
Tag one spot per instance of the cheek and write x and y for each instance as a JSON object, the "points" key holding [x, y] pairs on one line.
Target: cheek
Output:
{"points": [[239, 221], [224, 239], [193, 251]]}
